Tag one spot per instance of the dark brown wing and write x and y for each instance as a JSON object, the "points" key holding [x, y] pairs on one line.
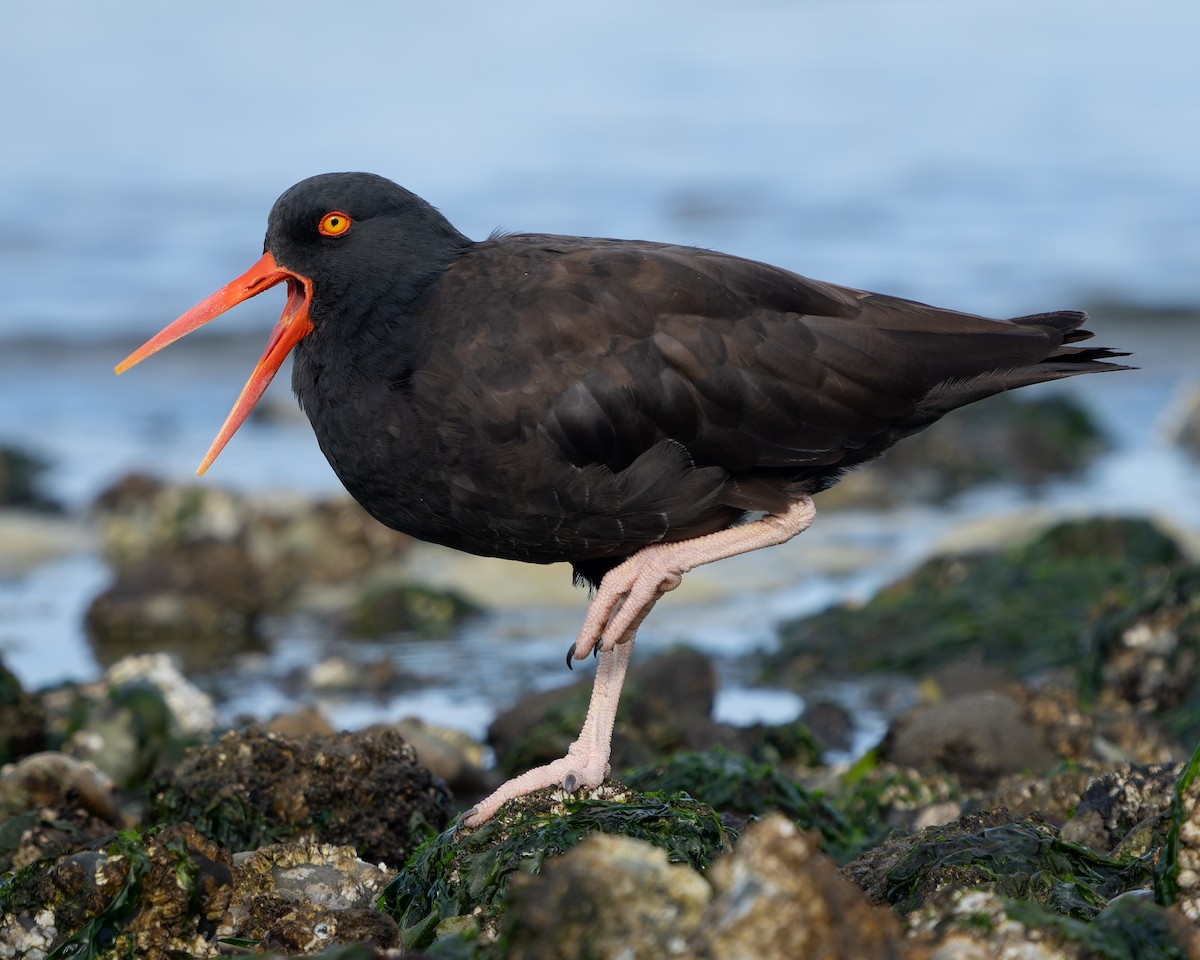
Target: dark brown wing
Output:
{"points": [[586, 397]]}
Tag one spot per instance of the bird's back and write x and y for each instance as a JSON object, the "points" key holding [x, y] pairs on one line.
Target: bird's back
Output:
{"points": [[577, 399]]}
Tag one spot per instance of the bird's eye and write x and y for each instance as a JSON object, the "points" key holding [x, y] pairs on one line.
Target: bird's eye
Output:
{"points": [[334, 224]]}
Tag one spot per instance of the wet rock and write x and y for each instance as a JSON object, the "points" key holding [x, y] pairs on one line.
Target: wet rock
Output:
{"points": [[142, 716], [52, 804], [20, 481], [304, 722], [154, 899], [778, 898], [289, 540], [403, 607], [609, 898], [202, 603], [456, 884], [876, 799], [306, 896], [22, 719], [976, 738], [980, 925], [365, 790], [1020, 609], [378, 678], [1005, 438], [1145, 652], [452, 756], [1125, 807], [56, 780]]}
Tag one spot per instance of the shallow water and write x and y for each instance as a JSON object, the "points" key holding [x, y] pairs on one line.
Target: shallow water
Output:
{"points": [[1000, 156]]}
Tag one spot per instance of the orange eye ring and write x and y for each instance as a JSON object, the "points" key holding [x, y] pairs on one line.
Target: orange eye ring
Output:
{"points": [[334, 224]]}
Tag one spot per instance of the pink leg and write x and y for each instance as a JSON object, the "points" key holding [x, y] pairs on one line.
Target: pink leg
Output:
{"points": [[628, 592], [586, 762], [626, 595]]}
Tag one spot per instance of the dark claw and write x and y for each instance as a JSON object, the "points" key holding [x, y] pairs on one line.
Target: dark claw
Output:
{"points": [[570, 656]]}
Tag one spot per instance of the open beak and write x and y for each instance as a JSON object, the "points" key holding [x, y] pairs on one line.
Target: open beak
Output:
{"points": [[293, 327]]}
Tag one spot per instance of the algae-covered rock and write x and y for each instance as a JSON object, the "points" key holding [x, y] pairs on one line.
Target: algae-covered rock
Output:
{"points": [[365, 790], [609, 898], [737, 785], [52, 804], [456, 883], [387, 607], [152, 897], [1021, 609], [1019, 858], [1145, 652]]}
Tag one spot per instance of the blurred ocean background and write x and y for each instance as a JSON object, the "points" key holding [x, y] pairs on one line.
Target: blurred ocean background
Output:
{"points": [[1002, 157]]}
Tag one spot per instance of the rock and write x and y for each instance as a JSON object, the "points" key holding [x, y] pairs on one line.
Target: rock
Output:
{"points": [[56, 780], [304, 722], [155, 899], [365, 790], [1123, 802], [456, 885], [778, 898], [1144, 652], [287, 539], [22, 719], [451, 755], [201, 602], [1021, 609], [976, 738], [51, 804], [140, 717], [304, 896], [393, 606], [1019, 858], [20, 481], [609, 898]]}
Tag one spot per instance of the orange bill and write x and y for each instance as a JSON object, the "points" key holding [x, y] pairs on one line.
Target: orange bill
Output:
{"points": [[293, 327]]}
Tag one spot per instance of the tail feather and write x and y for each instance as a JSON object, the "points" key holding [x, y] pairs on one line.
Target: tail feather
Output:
{"points": [[1062, 362]]}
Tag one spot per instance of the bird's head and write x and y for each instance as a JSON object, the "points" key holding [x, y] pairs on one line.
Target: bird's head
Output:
{"points": [[332, 239]]}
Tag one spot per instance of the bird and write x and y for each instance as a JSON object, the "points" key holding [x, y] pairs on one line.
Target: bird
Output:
{"points": [[631, 408]]}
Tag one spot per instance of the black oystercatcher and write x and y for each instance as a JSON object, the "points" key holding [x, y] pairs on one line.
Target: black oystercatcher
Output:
{"points": [[618, 405]]}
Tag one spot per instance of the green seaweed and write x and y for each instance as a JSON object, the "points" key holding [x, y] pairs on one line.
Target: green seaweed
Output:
{"points": [[1131, 928], [1166, 874], [1022, 609], [460, 874], [731, 783], [1021, 860]]}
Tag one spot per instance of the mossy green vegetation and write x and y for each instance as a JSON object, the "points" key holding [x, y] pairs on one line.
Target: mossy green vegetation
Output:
{"points": [[1022, 609], [454, 884]]}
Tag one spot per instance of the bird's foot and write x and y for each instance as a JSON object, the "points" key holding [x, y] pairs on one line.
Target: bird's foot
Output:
{"points": [[626, 595], [586, 762], [580, 768]]}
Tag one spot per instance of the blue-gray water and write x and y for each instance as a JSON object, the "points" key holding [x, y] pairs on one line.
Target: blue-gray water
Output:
{"points": [[1001, 156]]}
